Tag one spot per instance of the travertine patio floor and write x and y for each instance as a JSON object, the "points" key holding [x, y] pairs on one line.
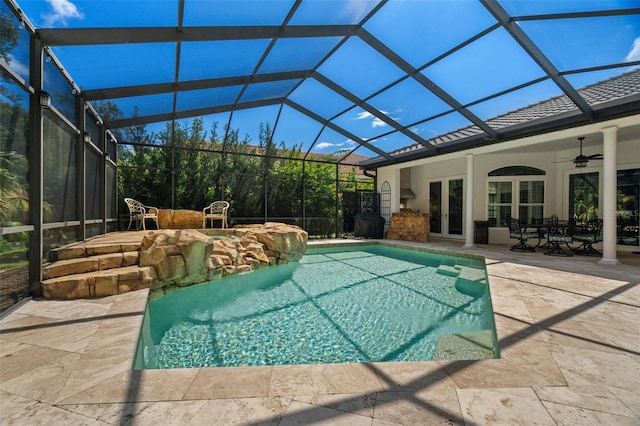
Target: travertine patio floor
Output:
{"points": [[570, 355]]}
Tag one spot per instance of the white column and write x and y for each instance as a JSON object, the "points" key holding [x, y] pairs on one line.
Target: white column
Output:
{"points": [[608, 197], [395, 190], [468, 205]]}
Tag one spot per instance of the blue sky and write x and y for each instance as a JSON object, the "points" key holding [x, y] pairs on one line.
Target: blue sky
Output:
{"points": [[417, 30]]}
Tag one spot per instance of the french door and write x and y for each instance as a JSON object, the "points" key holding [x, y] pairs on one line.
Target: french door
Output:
{"points": [[446, 206], [584, 190]]}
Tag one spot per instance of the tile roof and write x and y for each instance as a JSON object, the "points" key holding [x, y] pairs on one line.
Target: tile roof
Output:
{"points": [[619, 87]]}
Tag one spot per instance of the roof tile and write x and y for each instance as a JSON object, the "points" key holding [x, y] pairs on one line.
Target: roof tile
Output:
{"points": [[618, 87]]}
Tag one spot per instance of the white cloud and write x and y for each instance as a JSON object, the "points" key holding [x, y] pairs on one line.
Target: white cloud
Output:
{"points": [[348, 144], [61, 12], [19, 67], [378, 123], [634, 54], [324, 145], [363, 115], [375, 121]]}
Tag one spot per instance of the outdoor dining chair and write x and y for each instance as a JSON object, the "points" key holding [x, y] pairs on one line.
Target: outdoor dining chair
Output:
{"points": [[519, 232], [139, 212], [215, 211], [588, 234], [556, 234]]}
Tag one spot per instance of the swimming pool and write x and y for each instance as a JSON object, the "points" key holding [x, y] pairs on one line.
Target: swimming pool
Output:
{"points": [[337, 305]]}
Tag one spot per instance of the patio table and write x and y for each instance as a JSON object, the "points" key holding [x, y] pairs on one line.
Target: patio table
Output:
{"points": [[179, 219], [541, 229]]}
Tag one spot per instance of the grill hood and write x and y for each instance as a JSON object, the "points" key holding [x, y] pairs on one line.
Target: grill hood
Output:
{"points": [[406, 193]]}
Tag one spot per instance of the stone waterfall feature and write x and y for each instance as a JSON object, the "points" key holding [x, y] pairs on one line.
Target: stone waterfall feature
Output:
{"points": [[166, 259]]}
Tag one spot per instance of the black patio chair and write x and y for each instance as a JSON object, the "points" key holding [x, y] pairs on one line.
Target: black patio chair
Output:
{"points": [[628, 231], [519, 232], [588, 234], [556, 234]]}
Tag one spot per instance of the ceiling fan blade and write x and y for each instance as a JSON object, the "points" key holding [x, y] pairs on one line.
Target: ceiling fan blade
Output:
{"points": [[582, 159]]}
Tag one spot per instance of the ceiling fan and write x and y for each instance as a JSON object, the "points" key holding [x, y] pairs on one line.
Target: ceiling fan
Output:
{"points": [[581, 160]]}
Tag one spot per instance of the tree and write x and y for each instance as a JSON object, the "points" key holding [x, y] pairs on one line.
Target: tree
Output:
{"points": [[241, 176], [14, 125], [8, 35], [14, 203], [192, 177], [224, 166]]}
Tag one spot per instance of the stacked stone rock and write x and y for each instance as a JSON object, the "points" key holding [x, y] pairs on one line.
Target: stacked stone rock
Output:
{"points": [[179, 219], [167, 259], [409, 226]]}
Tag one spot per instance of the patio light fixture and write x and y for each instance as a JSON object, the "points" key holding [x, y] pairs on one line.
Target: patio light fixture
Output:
{"points": [[580, 162], [45, 99], [86, 137]]}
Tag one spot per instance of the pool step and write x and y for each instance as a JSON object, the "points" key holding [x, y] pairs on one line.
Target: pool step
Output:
{"points": [[473, 274], [91, 263], [110, 264], [99, 283], [449, 270], [464, 272], [95, 276], [97, 267], [465, 346], [76, 251]]}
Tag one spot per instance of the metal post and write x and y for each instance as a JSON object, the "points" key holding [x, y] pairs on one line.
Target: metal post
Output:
{"points": [[265, 189], [103, 181], [81, 172], [304, 195], [173, 163], [36, 244], [337, 194]]}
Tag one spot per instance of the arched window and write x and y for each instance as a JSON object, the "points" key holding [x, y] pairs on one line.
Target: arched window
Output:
{"points": [[515, 191], [517, 171], [385, 202]]}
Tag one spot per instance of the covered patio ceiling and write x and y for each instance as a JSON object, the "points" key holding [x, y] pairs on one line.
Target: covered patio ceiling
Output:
{"points": [[358, 76]]}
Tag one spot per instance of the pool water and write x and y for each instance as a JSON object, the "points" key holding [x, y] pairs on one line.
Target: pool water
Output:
{"points": [[338, 305]]}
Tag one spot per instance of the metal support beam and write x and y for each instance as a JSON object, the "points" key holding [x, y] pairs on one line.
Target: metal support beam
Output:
{"points": [[183, 86], [338, 129], [136, 121], [536, 54], [337, 201], [304, 195], [81, 174], [405, 66], [584, 14], [124, 35], [36, 243], [103, 180], [371, 110]]}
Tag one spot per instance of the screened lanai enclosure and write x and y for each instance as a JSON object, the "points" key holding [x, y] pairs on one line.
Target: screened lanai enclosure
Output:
{"points": [[283, 108]]}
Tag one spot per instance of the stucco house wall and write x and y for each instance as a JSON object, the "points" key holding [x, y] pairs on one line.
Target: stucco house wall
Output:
{"points": [[540, 152]]}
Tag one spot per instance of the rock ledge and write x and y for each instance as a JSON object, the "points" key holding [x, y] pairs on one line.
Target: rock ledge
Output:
{"points": [[169, 259]]}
